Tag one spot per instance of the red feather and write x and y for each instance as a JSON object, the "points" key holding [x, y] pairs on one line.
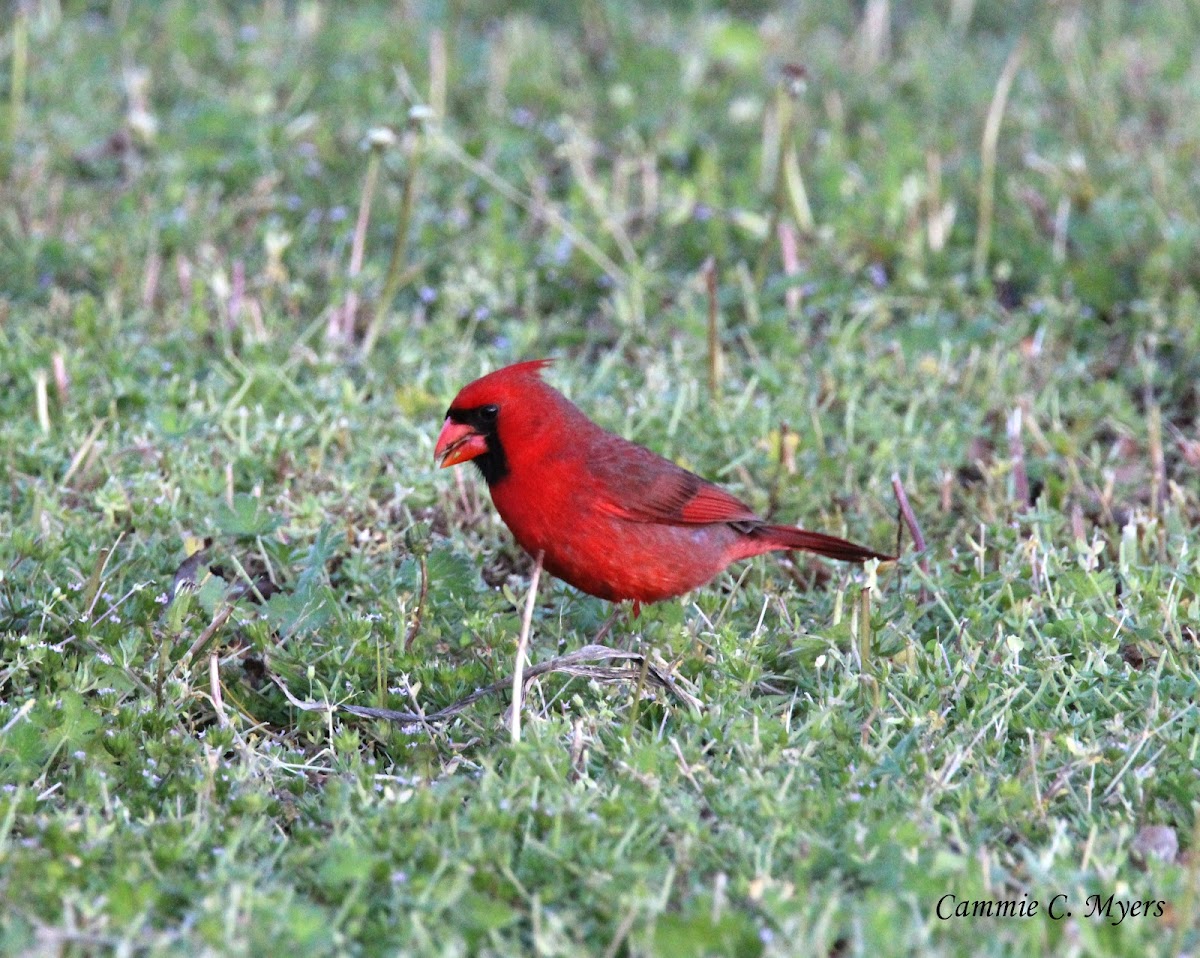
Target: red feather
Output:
{"points": [[609, 516], [633, 483]]}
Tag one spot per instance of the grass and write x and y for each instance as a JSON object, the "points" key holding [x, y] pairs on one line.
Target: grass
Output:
{"points": [[180, 237]]}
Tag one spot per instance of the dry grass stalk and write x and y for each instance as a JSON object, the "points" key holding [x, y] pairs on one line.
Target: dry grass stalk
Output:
{"points": [[987, 176], [518, 683]]}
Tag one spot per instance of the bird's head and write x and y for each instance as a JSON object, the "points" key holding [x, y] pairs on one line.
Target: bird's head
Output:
{"points": [[474, 420]]}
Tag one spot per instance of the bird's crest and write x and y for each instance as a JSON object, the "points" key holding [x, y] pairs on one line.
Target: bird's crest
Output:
{"points": [[528, 367], [501, 384]]}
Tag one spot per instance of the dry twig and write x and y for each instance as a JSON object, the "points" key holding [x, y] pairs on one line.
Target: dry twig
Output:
{"points": [[573, 664]]}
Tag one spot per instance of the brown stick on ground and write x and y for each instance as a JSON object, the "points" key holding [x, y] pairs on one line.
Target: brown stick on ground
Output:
{"points": [[570, 664], [914, 528], [910, 518]]}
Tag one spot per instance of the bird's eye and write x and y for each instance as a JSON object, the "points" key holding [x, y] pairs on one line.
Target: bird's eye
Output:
{"points": [[489, 412]]}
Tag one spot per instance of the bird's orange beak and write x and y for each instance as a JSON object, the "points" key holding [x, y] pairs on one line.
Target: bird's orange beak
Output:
{"points": [[458, 443]]}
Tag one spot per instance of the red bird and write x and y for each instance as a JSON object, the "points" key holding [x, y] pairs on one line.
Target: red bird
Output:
{"points": [[608, 516]]}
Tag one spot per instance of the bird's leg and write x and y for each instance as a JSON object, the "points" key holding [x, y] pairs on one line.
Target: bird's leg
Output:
{"points": [[607, 626], [637, 694], [612, 620]]}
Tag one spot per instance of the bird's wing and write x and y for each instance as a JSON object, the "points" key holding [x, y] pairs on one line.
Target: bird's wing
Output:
{"points": [[634, 483]]}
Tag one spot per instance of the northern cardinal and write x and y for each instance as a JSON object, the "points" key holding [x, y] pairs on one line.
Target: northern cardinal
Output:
{"points": [[608, 516]]}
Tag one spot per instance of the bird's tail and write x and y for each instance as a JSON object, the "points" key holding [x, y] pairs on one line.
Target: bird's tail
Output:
{"points": [[789, 537]]}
